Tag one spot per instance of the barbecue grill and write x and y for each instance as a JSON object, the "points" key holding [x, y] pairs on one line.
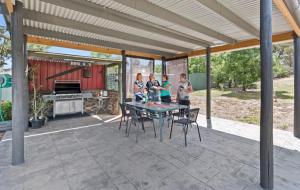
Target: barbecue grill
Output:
{"points": [[67, 97]]}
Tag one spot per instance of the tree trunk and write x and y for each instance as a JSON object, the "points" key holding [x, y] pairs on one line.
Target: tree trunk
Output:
{"points": [[244, 88]]}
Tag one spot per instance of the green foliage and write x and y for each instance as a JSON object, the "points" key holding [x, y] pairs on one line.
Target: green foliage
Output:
{"points": [[280, 71], [158, 68], [243, 67], [5, 47], [218, 69], [6, 110], [37, 47], [238, 67], [101, 55], [197, 65], [283, 53]]}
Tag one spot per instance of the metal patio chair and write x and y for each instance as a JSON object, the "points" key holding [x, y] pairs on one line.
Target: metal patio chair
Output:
{"points": [[125, 116], [189, 118], [137, 119]]}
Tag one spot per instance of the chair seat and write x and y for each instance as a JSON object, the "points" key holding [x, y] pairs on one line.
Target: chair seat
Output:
{"points": [[183, 121]]}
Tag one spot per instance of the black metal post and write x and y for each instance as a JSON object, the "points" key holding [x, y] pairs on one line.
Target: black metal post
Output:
{"points": [[208, 84], [26, 102], [266, 110], [123, 76], [163, 66], [297, 86], [18, 89], [187, 67]]}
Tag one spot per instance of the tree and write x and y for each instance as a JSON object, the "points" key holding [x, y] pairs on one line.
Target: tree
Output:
{"points": [[238, 67], [197, 65], [37, 47], [243, 67], [5, 47], [101, 55]]}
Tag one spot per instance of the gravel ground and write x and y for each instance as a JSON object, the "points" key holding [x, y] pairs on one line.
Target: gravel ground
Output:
{"points": [[246, 110]]}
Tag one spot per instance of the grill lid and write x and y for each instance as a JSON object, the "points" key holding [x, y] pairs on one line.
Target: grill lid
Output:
{"points": [[67, 86]]}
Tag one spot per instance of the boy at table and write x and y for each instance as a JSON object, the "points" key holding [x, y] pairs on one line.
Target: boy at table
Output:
{"points": [[184, 90]]}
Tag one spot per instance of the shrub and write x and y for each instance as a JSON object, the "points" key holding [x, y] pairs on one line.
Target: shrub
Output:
{"points": [[6, 110], [280, 71]]}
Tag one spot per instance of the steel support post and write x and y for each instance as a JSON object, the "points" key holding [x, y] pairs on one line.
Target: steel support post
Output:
{"points": [[123, 81], [266, 110], [18, 89], [297, 86], [208, 84]]}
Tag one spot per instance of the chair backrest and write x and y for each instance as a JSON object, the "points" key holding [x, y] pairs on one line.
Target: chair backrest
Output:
{"points": [[123, 109], [193, 114], [133, 113]]}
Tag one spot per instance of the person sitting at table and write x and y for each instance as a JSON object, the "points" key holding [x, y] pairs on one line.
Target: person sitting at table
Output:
{"points": [[139, 87], [152, 87], [165, 94], [183, 91]]}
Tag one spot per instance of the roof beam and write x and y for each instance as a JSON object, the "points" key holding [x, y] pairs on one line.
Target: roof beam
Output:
{"points": [[54, 20], [223, 11], [86, 47], [79, 39], [287, 15], [124, 19], [151, 9], [238, 46]]}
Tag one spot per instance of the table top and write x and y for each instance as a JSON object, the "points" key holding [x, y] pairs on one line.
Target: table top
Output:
{"points": [[157, 106]]}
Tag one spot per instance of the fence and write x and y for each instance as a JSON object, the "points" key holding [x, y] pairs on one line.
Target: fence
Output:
{"points": [[198, 81]]}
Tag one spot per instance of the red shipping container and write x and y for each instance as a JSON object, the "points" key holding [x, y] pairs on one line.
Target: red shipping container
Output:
{"points": [[47, 68]]}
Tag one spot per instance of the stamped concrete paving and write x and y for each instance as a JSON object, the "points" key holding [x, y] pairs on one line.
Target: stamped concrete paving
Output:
{"points": [[102, 157]]}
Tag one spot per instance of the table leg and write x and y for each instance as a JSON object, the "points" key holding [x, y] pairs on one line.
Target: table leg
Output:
{"points": [[161, 126]]}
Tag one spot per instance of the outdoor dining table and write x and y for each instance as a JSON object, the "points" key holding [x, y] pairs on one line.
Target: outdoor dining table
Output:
{"points": [[157, 108]]}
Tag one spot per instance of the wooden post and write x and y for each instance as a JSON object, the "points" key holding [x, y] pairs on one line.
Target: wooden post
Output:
{"points": [[266, 110], [18, 88], [297, 86]]}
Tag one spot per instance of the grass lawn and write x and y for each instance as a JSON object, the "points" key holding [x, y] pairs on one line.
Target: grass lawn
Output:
{"points": [[226, 103], [284, 90]]}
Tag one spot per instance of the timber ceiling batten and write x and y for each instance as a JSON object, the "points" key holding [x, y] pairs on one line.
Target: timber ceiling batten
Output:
{"points": [[151, 9], [117, 17]]}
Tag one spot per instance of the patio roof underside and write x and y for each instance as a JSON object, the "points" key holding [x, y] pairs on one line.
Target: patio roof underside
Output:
{"points": [[157, 27]]}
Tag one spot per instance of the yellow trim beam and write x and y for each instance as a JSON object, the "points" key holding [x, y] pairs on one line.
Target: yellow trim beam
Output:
{"points": [[287, 15], [240, 45]]}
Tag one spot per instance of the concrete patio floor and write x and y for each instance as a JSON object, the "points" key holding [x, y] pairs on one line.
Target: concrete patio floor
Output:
{"points": [[86, 153]]}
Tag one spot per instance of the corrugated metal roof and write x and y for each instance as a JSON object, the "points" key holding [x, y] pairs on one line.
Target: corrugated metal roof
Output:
{"points": [[190, 9]]}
